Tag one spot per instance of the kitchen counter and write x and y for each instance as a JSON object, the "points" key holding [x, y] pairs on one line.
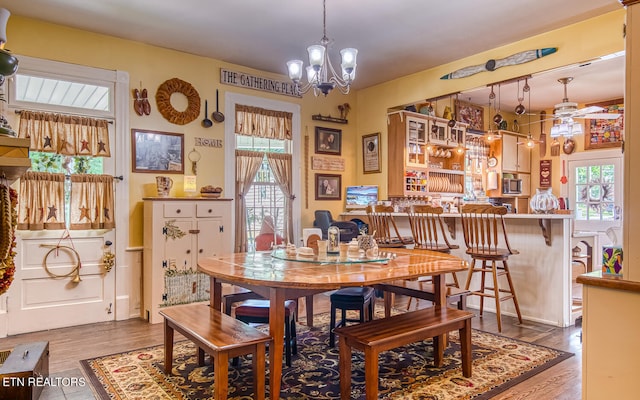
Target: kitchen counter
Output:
{"points": [[541, 273]]}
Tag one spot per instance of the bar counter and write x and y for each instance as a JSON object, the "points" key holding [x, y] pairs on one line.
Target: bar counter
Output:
{"points": [[541, 273]]}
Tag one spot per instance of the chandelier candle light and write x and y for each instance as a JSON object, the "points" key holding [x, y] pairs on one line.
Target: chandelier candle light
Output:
{"points": [[321, 75]]}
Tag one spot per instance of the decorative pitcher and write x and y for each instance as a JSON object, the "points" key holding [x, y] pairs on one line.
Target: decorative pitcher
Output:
{"points": [[164, 185]]}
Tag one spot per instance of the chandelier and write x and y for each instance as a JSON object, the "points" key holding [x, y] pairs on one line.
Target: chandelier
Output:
{"points": [[320, 73], [568, 127]]}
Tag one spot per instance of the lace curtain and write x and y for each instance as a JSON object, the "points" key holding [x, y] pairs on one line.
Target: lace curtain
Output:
{"points": [[260, 122], [65, 134], [41, 201], [247, 165]]}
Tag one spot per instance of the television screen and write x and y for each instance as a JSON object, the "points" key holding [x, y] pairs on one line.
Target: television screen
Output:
{"points": [[361, 196]]}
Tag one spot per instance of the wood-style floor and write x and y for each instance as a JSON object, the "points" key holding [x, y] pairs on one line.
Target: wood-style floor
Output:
{"points": [[70, 345]]}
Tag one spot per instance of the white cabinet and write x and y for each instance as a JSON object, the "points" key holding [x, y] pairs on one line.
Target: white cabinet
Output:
{"points": [[177, 232], [515, 158]]}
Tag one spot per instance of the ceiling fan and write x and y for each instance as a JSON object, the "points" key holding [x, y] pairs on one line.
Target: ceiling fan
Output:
{"points": [[568, 110]]}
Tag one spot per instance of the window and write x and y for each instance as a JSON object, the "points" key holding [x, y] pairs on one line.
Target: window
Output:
{"points": [[67, 91], [596, 192], [265, 197]]}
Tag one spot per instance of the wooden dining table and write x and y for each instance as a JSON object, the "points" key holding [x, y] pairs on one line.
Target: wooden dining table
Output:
{"points": [[278, 277]]}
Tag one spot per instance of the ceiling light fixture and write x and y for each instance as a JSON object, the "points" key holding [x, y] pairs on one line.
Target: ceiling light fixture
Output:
{"points": [[320, 73]]}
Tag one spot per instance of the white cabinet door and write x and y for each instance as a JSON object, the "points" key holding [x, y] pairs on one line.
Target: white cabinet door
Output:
{"points": [[178, 249], [509, 153], [210, 242], [524, 159]]}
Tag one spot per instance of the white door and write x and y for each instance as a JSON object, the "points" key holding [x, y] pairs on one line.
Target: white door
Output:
{"points": [[37, 300]]}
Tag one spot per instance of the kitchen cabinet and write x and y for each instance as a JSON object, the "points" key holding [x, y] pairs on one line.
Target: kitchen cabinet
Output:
{"points": [[514, 162], [515, 157], [177, 233], [425, 155]]}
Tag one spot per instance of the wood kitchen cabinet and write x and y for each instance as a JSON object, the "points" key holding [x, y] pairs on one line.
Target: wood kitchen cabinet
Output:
{"points": [[423, 156], [178, 232]]}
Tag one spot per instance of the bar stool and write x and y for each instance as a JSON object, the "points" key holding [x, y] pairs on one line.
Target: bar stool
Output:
{"points": [[428, 233], [483, 226], [384, 229], [360, 299], [256, 311]]}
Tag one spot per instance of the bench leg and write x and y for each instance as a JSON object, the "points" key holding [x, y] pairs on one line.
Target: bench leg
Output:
{"points": [[200, 357], [345, 368], [259, 361], [438, 350], [371, 374], [465, 344], [221, 375], [168, 347]]}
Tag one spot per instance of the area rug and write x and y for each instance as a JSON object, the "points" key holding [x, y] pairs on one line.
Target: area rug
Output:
{"points": [[405, 373]]}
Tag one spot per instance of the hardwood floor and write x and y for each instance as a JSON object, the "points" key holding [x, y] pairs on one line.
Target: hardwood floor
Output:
{"points": [[70, 345]]}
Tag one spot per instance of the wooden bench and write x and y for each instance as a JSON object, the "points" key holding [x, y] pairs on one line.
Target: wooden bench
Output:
{"points": [[384, 334], [222, 337]]}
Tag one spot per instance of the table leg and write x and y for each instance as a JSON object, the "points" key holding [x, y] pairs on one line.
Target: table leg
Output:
{"points": [[216, 294], [439, 286], [276, 330], [308, 303]]}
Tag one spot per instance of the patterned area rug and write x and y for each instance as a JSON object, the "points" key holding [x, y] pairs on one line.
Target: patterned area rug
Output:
{"points": [[405, 373]]}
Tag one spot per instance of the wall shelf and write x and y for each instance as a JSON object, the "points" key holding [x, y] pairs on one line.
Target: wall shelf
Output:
{"points": [[328, 118]]}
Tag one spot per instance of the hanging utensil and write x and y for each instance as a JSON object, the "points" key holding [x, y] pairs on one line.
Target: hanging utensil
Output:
{"points": [[217, 115], [569, 146], [555, 147], [543, 136], [206, 122], [563, 179]]}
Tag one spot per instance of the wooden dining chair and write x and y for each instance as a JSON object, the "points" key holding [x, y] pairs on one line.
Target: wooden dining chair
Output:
{"points": [[383, 227], [486, 238], [428, 233]]}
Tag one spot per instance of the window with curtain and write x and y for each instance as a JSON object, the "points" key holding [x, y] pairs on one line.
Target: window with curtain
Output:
{"points": [[66, 187], [263, 158]]}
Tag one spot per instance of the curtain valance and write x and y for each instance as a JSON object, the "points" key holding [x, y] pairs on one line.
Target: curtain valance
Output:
{"points": [[260, 122], [69, 135]]}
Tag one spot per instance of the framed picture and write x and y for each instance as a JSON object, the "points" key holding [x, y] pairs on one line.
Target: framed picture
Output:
{"points": [[371, 153], [604, 133], [471, 114], [328, 187], [154, 151], [328, 141]]}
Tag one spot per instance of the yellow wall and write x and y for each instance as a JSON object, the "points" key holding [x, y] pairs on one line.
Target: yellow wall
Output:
{"points": [[579, 42], [149, 66]]}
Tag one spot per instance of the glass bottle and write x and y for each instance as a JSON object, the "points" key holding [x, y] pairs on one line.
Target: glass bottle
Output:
{"points": [[333, 236]]}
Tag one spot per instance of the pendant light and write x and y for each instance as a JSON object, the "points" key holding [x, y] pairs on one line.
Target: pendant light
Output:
{"points": [[530, 142]]}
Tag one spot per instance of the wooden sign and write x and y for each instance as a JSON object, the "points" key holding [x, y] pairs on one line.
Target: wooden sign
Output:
{"points": [[327, 163], [242, 79], [545, 173]]}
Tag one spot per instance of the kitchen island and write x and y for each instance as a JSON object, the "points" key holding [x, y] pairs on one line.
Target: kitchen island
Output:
{"points": [[541, 273]]}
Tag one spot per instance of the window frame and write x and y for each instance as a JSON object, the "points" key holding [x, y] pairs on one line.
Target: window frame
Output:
{"points": [[597, 157]]}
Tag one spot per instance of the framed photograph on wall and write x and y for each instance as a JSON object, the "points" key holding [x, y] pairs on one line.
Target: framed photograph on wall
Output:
{"points": [[471, 114], [153, 152], [371, 153], [605, 133], [328, 187], [328, 141]]}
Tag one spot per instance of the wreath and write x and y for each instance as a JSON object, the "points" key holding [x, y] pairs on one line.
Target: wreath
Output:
{"points": [[163, 100], [9, 201]]}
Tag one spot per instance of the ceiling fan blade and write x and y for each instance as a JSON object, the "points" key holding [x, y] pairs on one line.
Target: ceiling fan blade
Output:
{"points": [[590, 110], [600, 116]]}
